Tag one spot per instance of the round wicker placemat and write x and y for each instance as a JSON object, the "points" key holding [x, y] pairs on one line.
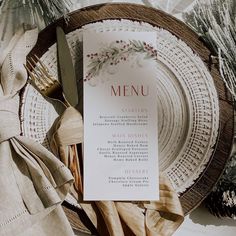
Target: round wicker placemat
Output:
{"points": [[191, 197], [188, 111]]}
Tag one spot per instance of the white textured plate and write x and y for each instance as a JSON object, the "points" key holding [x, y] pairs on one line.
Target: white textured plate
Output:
{"points": [[188, 110]]}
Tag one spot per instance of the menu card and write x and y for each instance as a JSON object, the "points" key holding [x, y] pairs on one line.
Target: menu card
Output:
{"points": [[120, 116]]}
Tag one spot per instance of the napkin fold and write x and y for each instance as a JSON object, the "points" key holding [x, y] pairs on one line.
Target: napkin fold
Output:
{"points": [[160, 218], [69, 132], [33, 182]]}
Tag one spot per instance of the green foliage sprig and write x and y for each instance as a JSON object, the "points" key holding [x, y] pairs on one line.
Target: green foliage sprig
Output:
{"points": [[116, 52]]}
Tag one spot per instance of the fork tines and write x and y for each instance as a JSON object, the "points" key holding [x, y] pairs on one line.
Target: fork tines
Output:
{"points": [[39, 73]]}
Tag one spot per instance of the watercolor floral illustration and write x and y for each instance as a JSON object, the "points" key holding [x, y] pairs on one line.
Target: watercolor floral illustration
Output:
{"points": [[117, 52]]}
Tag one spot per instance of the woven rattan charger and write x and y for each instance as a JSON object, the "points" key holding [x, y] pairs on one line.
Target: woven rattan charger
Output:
{"points": [[195, 194]]}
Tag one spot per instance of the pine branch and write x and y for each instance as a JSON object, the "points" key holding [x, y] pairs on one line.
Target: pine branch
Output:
{"points": [[215, 22], [222, 200], [14, 13]]}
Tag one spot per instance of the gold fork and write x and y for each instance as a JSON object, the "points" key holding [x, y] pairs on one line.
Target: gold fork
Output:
{"points": [[48, 86]]}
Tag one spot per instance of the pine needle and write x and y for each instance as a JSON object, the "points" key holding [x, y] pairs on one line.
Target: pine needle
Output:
{"points": [[40, 13], [215, 22]]}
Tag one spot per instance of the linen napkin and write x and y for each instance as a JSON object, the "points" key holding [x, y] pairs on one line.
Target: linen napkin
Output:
{"points": [[33, 182], [63, 144], [160, 218]]}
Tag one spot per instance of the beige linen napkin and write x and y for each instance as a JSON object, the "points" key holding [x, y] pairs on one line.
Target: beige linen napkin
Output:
{"points": [[33, 182], [159, 218]]}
